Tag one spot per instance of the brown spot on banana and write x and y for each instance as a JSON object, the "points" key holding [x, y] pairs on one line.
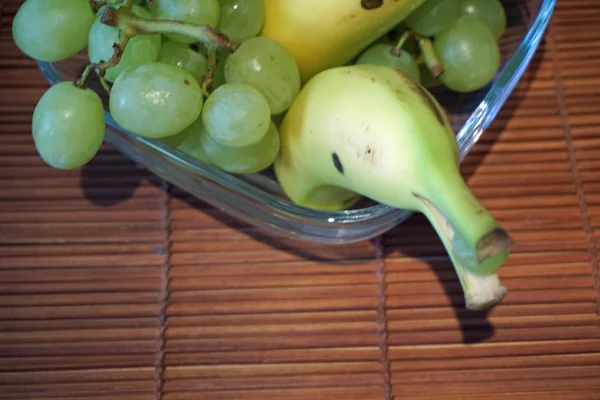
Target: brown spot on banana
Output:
{"points": [[370, 154], [337, 163], [371, 4]]}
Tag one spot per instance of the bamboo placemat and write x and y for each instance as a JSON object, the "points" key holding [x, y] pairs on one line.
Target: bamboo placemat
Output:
{"points": [[114, 285]]}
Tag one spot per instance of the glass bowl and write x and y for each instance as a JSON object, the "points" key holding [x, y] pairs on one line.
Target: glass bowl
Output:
{"points": [[257, 199]]}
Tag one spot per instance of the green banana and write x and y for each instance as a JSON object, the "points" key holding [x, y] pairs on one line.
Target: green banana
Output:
{"points": [[366, 130]]}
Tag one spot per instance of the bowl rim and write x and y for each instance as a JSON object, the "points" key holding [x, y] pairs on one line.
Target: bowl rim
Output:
{"points": [[468, 135]]}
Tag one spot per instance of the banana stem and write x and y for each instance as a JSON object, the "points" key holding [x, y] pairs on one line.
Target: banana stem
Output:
{"points": [[474, 240], [480, 242], [480, 292], [125, 19]]}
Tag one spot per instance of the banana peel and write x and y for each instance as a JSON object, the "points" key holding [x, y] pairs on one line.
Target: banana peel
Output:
{"points": [[322, 34], [366, 130]]}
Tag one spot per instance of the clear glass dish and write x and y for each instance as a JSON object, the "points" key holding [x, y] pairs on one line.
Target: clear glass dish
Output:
{"points": [[257, 199]]}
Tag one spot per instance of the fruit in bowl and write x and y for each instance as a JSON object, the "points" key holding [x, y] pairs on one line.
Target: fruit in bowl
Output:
{"points": [[331, 96]]}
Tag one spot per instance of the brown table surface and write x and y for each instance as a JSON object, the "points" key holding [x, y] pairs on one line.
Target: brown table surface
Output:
{"points": [[116, 286]]}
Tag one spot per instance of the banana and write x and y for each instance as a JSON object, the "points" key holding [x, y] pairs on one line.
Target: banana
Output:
{"points": [[322, 34], [366, 130]]}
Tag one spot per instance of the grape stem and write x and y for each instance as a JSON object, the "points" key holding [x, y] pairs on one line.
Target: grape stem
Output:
{"points": [[118, 49], [208, 80], [398, 48], [427, 55], [430, 58], [103, 82], [80, 83], [98, 4], [102, 66], [126, 20]]}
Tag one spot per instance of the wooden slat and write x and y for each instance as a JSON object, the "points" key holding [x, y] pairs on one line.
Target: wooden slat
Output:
{"points": [[112, 287], [549, 272], [80, 260]]}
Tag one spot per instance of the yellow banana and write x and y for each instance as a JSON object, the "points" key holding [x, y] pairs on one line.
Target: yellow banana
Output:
{"points": [[321, 34], [366, 130]]}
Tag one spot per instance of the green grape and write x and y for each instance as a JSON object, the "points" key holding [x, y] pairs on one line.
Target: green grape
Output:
{"points": [[192, 146], [155, 100], [68, 125], [177, 139], [491, 12], [52, 30], [187, 57], [433, 17], [199, 12], [191, 141], [236, 115], [241, 19], [188, 141], [243, 160], [265, 64], [381, 54], [469, 54], [140, 50]]}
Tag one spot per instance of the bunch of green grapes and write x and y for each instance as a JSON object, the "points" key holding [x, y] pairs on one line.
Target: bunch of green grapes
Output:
{"points": [[194, 74], [197, 75], [445, 42]]}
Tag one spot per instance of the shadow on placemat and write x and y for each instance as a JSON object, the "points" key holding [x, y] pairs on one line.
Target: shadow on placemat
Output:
{"points": [[110, 178], [475, 325], [492, 134], [314, 252]]}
